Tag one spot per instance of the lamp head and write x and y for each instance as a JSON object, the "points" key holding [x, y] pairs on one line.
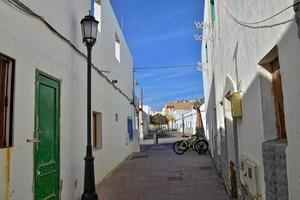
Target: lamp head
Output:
{"points": [[89, 29]]}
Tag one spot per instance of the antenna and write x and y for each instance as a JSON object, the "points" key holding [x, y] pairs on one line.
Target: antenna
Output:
{"points": [[202, 37], [202, 66], [203, 25]]}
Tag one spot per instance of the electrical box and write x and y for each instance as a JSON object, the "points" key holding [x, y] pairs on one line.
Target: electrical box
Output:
{"points": [[236, 105]]}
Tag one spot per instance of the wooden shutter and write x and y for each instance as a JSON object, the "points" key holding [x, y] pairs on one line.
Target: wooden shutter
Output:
{"points": [[6, 101], [95, 129]]}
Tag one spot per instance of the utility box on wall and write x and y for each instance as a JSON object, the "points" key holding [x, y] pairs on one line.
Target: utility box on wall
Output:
{"points": [[236, 105]]}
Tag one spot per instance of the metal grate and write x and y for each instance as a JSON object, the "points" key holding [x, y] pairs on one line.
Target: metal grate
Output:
{"points": [[139, 156], [175, 178]]}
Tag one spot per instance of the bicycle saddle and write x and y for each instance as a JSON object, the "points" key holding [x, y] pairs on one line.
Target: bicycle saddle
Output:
{"points": [[185, 136]]}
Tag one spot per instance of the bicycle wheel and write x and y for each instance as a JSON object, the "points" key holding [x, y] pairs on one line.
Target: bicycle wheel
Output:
{"points": [[201, 146], [179, 147]]}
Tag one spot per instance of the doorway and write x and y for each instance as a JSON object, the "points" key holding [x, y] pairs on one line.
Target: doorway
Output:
{"points": [[46, 147]]}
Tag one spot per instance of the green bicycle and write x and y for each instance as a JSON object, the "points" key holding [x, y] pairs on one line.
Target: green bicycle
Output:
{"points": [[200, 145]]}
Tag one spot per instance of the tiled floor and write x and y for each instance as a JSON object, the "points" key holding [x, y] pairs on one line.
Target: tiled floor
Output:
{"points": [[156, 173]]}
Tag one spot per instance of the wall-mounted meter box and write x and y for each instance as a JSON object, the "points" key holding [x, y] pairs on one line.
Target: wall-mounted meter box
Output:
{"points": [[236, 105]]}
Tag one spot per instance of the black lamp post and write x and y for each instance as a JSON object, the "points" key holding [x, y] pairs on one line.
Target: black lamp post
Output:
{"points": [[89, 28]]}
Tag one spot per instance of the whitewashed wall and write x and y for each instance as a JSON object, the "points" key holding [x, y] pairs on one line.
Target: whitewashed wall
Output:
{"points": [[33, 46], [289, 48], [235, 50], [190, 119]]}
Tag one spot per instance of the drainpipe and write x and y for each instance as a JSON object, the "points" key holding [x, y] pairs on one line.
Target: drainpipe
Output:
{"points": [[92, 11], [237, 159], [236, 113]]}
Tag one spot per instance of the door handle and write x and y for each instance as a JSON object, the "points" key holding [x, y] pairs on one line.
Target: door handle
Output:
{"points": [[34, 141]]}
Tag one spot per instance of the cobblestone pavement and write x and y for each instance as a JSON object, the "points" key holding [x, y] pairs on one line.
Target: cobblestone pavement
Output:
{"points": [[156, 173]]}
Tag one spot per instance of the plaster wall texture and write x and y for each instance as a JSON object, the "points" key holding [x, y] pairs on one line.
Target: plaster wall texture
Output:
{"points": [[235, 50], [274, 152], [144, 120], [33, 46], [289, 48]]}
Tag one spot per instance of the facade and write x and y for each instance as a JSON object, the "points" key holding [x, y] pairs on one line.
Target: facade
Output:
{"points": [[144, 120], [179, 106], [185, 121], [182, 116], [43, 76], [253, 64], [189, 119]]}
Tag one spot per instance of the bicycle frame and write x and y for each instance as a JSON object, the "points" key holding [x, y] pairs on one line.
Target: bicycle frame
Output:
{"points": [[189, 142]]}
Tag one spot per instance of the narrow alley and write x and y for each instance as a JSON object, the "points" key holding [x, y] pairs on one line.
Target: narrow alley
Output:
{"points": [[149, 100], [157, 173]]}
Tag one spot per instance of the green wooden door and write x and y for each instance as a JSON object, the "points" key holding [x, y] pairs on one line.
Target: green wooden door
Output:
{"points": [[46, 151]]}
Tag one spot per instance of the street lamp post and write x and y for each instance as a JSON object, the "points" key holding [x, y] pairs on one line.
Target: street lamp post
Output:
{"points": [[89, 28]]}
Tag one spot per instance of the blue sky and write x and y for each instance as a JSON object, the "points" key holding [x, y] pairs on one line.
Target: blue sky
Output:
{"points": [[160, 33]]}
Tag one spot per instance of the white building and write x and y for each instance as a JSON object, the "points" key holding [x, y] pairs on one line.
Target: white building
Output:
{"points": [[185, 121], [144, 120], [245, 48], [45, 90], [147, 109], [188, 118]]}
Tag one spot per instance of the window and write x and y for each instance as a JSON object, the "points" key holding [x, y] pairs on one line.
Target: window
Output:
{"points": [[130, 129], [271, 63], [249, 172], [97, 130], [6, 101], [278, 99], [117, 48], [212, 10], [97, 13], [206, 53]]}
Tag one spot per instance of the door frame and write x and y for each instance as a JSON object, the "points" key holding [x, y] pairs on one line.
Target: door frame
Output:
{"points": [[37, 74]]}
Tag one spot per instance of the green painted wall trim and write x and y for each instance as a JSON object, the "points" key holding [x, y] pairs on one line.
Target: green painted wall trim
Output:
{"points": [[212, 10], [206, 53]]}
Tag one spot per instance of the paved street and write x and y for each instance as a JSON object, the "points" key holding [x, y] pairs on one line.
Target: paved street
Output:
{"points": [[156, 173]]}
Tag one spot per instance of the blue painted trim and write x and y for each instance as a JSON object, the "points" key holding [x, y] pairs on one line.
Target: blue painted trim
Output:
{"points": [[92, 11]]}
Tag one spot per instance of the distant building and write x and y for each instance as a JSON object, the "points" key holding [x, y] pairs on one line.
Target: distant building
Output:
{"points": [[182, 114], [147, 109], [188, 119], [180, 106], [157, 112], [144, 121]]}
